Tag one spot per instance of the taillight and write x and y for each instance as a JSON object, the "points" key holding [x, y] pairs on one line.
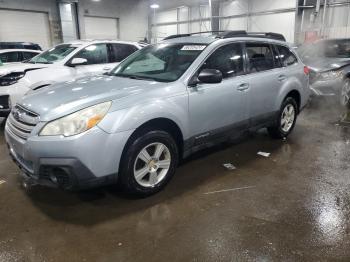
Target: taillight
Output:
{"points": [[306, 70]]}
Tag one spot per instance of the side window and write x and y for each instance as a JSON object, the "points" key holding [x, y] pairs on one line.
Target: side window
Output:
{"points": [[260, 57], [228, 59], [9, 57], [28, 55], [121, 51], [286, 56], [94, 54]]}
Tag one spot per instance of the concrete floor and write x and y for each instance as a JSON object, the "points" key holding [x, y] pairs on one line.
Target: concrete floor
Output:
{"points": [[291, 206]]}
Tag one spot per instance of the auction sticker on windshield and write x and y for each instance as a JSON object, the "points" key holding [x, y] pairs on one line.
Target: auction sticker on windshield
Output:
{"points": [[193, 47]]}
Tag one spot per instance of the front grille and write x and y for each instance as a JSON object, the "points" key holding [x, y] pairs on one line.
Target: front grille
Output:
{"points": [[21, 122], [4, 102]]}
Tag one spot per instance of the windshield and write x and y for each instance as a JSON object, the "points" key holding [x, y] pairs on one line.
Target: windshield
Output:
{"points": [[163, 62], [328, 48], [53, 55]]}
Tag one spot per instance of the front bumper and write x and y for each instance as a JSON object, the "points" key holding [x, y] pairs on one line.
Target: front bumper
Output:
{"points": [[327, 88], [87, 160]]}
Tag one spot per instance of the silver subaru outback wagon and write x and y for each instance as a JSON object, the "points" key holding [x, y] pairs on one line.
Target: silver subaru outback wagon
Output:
{"points": [[160, 104]]}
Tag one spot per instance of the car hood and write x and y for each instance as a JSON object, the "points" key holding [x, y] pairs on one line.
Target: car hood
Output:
{"points": [[326, 63], [19, 67], [64, 98]]}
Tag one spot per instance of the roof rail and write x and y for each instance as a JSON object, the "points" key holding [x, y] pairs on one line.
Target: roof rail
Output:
{"points": [[237, 33], [229, 34], [196, 33], [271, 35]]}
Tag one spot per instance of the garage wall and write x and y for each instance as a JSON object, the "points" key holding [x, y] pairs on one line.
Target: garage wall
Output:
{"points": [[236, 13], [93, 27], [13, 27], [265, 5], [132, 16], [337, 22], [279, 23], [259, 16], [68, 21], [335, 25], [181, 20], [250, 15], [49, 7]]}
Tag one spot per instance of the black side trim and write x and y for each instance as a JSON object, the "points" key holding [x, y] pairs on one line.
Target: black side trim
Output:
{"points": [[263, 120], [233, 131], [213, 137]]}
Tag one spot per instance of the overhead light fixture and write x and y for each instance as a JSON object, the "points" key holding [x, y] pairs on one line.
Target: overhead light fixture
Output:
{"points": [[154, 6], [96, 0]]}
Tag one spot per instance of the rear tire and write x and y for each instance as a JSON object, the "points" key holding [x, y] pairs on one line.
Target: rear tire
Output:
{"points": [[148, 163], [286, 119]]}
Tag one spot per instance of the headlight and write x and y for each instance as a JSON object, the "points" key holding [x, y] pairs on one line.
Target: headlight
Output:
{"points": [[11, 78], [330, 75], [77, 122]]}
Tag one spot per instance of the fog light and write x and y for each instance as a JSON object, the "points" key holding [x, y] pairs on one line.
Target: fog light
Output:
{"points": [[53, 178]]}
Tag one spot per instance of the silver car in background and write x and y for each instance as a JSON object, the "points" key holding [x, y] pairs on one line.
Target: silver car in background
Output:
{"points": [[329, 63], [161, 104]]}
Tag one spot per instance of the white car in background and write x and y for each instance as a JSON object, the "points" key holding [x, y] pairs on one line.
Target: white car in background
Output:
{"points": [[16, 55], [63, 62]]}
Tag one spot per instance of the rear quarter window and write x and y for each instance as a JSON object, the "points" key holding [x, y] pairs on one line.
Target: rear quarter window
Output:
{"points": [[286, 56]]}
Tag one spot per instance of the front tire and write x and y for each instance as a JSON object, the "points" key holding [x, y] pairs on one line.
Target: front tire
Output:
{"points": [[286, 119], [149, 162]]}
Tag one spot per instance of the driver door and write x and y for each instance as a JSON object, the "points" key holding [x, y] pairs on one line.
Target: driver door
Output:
{"points": [[218, 110]]}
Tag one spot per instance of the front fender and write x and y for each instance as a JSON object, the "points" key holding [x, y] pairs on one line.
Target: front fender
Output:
{"points": [[173, 108]]}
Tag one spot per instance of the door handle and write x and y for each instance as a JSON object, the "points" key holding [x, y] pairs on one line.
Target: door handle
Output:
{"points": [[107, 68], [243, 87], [281, 78]]}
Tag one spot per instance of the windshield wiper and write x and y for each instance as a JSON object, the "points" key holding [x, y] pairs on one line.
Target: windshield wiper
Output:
{"points": [[47, 62], [137, 77]]}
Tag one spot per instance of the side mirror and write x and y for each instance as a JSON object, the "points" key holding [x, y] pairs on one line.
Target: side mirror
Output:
{"points": [[210, 76], [78, 61]]}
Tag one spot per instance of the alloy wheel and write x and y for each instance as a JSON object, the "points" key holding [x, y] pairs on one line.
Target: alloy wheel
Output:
{"points": [[152, 164], [287, 118]]}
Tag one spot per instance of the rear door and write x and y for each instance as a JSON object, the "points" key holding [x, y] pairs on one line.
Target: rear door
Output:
{"points": [[265, 80], [217, 110]]}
